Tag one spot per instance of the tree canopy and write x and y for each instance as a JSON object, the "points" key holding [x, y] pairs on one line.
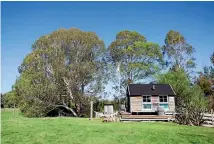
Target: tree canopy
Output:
{"points": [[179, 51], [136, 57], [63, 70], [69, 67]]}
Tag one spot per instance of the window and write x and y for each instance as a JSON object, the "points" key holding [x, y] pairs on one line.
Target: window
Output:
{"points": [[147, 103], [147, 106], [163, 99], [147, 99], [163, 102], [165, 106]]}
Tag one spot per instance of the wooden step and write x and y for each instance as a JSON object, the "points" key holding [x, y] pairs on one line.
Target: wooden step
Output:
{"points": [[145, 117]]}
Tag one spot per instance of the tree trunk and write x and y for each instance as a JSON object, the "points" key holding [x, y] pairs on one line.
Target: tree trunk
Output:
{"points": [[78, 108], [74, 113], [70, 109], [82, 88]]}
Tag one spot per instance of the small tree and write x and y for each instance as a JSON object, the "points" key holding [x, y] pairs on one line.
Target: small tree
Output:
{"points": [[10, 100], [189, 100], [197, 106], [206, 82]]}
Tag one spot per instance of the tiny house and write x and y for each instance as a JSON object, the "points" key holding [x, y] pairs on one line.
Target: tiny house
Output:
{"points": [[146, 98]]}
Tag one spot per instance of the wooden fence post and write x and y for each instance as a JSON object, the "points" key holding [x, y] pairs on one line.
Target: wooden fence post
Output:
{"points": [[91, 112], [14, 106]]}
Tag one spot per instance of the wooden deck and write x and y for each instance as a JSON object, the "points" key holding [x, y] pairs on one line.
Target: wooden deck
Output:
{"points": [[129, 117]]}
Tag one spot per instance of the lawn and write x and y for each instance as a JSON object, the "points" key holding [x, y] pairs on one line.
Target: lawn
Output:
{"points": [[61, 130]]}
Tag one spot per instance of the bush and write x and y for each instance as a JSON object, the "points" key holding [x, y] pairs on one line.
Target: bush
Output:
{"points": [[32, 109], [189, 100]]}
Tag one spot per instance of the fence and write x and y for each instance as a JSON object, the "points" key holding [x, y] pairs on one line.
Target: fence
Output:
{"points": [[209, 119]]}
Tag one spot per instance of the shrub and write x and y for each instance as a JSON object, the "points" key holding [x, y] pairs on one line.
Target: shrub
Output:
{"points": [[190, 102]]}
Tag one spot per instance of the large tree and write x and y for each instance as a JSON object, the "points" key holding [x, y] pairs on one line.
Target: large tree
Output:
{"points": [[136, 58], [178, 51], [64, 70]]}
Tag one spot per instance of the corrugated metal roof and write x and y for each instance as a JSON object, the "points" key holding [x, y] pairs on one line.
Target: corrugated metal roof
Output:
{"points": [[147, 89]]}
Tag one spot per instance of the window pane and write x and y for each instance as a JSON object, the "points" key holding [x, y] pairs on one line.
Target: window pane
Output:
{"points": [[149, 99], [147, 106], [146, 98], [165, 106], [163, 98]]}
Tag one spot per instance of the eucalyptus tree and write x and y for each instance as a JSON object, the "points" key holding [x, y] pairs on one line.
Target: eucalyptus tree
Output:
{"points": [[64, 69], [178, 51], [137, 58]]}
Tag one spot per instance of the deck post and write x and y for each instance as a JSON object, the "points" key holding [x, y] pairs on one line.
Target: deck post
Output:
{"points": [[91, 112]]}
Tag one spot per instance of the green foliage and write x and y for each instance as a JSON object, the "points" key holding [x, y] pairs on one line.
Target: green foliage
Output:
{"points": [[62, 130], [212, 58], [64, 69], [2, 100], [138, 58], [211, 101], [189, 100], [9, 99], [178, 51], [206, 82], [209, 73], [177, 79], [196, 105], [99, 104]]}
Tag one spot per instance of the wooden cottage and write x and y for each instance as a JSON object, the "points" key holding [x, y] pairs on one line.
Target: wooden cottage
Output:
{"points": [[146, 98]]}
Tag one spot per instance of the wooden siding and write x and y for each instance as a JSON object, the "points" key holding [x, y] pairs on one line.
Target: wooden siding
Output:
{"points": [[155, 101], [171, 103], [136, 103]]}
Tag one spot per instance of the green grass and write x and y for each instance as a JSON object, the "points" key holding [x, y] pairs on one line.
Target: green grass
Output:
{"points": [[61, 130]]}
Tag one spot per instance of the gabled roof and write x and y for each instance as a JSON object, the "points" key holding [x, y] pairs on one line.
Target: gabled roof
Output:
{"points": [[150, 89]]}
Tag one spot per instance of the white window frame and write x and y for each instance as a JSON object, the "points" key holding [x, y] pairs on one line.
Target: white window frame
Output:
{"points": [[163, 102], [147, 103]]}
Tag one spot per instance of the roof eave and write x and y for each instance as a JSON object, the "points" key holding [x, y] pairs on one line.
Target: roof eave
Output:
{"points": [[172, 89]]}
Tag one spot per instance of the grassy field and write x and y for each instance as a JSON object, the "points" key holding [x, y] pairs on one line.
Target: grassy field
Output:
{"points": [[61, 130]]}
